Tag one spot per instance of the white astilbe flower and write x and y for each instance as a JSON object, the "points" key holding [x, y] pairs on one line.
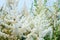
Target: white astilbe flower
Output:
{"points": [[23, 26], [3, 34], [40, 38], [46, 32], [32, 37]]}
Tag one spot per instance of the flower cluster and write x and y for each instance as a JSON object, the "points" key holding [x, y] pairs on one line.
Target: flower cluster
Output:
{"points": [[44, 25]]}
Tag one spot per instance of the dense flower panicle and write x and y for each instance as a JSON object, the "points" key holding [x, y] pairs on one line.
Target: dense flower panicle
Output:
{"points": [[23, 26]]}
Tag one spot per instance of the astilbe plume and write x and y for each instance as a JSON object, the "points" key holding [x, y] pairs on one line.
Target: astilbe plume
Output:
{"points": [[43, 25]]}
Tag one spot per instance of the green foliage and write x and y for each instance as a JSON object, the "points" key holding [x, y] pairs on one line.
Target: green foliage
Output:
{"points": [[47, 37], [45, 1], [35, 3]]}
